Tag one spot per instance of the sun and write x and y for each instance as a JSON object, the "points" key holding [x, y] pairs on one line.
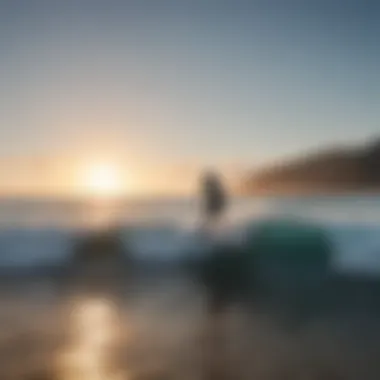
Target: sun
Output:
{"points": [[103, 180]]}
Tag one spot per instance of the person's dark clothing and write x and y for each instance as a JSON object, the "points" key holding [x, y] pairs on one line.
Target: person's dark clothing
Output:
{"points": [[214, 196]]}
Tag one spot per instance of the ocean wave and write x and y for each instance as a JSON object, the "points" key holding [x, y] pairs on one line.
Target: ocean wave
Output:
{"points": [[32, 247], [356, 248]]}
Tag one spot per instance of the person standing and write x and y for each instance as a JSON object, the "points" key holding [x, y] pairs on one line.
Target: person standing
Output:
{"points": [[214, 199], [219, 260], [216, 279]]}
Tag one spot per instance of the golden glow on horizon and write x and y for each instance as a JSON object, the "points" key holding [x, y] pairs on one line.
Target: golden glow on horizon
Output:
{"points": [[97, 175], [103, 180]]}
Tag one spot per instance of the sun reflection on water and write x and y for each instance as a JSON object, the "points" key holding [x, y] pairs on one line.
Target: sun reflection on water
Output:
{"points": [[94, 330]]}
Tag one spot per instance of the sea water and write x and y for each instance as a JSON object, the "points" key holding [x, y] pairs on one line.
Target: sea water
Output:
{"points": [[41, 232]]}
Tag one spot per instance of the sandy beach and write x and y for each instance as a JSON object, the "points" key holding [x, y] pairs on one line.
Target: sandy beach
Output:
{"points": [[154, 325]]}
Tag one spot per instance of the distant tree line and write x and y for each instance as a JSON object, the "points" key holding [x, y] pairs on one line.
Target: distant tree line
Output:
{"points": [[336, 169]]}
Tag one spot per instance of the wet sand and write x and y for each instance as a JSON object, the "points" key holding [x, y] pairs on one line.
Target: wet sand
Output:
{"points": [[154, 325]]}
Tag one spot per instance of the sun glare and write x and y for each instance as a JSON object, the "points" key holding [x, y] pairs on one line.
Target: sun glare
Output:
{"points": [[103, 180], [95, 331]]}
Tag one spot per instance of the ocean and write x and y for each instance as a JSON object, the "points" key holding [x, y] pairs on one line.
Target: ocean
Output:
{"points": [[156, 326], [41, 232]]}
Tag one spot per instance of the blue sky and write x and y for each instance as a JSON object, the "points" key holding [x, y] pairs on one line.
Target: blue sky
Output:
{"points": [[206, 82]]}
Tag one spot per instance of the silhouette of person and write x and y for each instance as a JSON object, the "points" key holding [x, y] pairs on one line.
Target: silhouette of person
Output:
{"points": [[216, 278], [214, 198]]}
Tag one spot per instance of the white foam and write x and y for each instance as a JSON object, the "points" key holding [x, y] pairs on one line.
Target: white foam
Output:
{"points": [[22, 248], [356, 249], [162, 242]]}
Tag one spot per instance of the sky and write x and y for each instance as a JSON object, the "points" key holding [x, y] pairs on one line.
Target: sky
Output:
{"points": [[167, 87]]}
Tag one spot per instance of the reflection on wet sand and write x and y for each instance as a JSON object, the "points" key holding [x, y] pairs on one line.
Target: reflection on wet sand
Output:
{"points": [[94, 332], [160, 329]]}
